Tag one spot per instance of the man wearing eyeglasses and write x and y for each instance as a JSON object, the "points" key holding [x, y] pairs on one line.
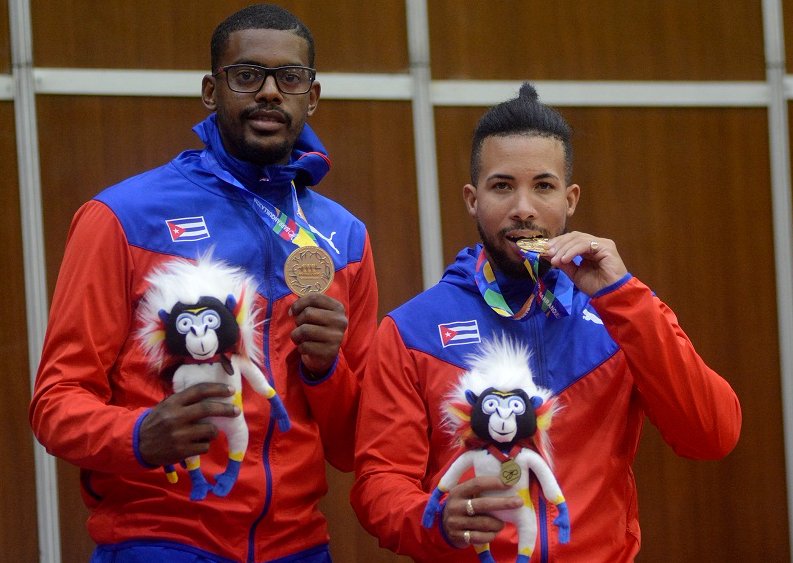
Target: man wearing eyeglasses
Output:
{"points": [[246, 199]]}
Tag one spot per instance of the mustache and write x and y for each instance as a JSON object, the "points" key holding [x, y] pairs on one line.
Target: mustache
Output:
{"points": [[525, 226], [268, 107]]}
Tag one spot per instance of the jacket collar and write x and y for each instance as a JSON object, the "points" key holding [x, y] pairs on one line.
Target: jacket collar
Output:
{"points": [[308, 163]]}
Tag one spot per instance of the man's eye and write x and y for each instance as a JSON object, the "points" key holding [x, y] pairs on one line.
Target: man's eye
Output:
{"points": [[290, 77], [247, 75]]}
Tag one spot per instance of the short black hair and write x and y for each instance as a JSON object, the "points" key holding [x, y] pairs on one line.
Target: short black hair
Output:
{"points": [[523, 115], [258, 16]]}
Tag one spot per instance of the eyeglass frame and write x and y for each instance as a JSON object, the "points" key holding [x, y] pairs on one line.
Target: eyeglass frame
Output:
{"points": [[268, 71]]}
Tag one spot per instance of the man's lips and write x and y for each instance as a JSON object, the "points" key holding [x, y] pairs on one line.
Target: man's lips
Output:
{"points": [[267, 119]]}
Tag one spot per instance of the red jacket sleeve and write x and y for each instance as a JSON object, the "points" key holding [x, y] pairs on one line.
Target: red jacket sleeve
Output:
{"points": [[392, 451], [334, 400], [694, 408], [90, 321]]}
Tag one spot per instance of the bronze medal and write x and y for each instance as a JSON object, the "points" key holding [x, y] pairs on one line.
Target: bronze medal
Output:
{"points": [[510, 472], [308, 269]]}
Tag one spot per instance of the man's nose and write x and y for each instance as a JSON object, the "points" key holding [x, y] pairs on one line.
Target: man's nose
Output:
{"points": [[269, 89]]}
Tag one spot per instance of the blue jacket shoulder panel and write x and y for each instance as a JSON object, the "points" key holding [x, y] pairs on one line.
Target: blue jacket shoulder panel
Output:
{"points": [[448, 320]]}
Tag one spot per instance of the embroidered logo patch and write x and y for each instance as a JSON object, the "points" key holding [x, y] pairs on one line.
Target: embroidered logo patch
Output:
{"points": [[187, 229], [591, 317], [463, 332]]}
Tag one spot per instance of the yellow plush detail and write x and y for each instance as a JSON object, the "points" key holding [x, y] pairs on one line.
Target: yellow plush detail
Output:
{"points": [[526, 496], [558, 500], [525, 551], [193, 463], [236, 456], [172, 477], [482, 547], [270, 394], [237, 400]]}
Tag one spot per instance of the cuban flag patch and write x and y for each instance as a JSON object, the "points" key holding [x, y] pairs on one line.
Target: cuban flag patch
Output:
{"points": [[463, 332], [187, 229]]}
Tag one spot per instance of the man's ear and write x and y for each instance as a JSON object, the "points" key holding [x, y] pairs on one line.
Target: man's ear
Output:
{"points": [[313, 97], [208, 92], [572, 195], [469, 196]]}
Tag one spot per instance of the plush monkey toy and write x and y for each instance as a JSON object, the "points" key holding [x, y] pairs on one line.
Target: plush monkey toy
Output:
{"points": [[501, 418], [198, 326]]}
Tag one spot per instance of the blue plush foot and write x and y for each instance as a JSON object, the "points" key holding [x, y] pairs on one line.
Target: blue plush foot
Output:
{"points": [[486, 557], [278, 412], [523, 559], [225, 481], [200, 486]]}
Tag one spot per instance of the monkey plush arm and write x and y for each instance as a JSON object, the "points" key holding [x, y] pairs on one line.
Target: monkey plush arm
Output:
{"points": [[550, 488], [251, 372]]}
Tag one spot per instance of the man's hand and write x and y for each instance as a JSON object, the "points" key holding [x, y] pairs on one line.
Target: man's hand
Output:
{"points": [[175, 429], [481, 527], [601, 264], [321, 322]]}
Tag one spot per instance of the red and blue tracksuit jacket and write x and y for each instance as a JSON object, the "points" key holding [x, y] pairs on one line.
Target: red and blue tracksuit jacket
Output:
{"points": [[618, 357], [93, 386]]}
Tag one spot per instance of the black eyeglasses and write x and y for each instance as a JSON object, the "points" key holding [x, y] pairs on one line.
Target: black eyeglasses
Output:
{"points": [[246, 79]]}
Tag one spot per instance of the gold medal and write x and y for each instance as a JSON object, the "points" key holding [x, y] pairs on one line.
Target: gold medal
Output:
{"points": [[536, 244], [510, 472], [309, 269]]}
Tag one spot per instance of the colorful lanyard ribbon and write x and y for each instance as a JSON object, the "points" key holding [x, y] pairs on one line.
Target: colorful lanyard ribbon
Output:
{"points": [[542, 294], [297, 231]]}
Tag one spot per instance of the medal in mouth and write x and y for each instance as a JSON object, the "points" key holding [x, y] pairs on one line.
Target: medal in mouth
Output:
{"points": [[538, 244]]}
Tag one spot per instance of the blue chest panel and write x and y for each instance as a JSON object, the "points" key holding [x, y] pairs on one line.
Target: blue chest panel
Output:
{"points": [[179, 210], [447, 322]]}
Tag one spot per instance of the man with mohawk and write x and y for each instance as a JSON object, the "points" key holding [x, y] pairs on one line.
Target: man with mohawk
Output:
{"points": [[606, 347]]}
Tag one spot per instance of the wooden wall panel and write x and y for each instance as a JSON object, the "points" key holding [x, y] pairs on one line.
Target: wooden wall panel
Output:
{"points": [[18, 532], [685, 193], [597, 40], [787, 19], [171, 34], [5, 43]]}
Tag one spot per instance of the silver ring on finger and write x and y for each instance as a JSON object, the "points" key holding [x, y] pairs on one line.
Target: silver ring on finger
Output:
{"points": [[467, 537], [593, 246], [469, 508]]}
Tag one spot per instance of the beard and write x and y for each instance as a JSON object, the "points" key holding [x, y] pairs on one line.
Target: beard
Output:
{"points": [[503, 261], [499, 259]]}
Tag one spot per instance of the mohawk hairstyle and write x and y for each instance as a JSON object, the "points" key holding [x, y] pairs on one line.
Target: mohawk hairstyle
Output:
{"points": [[180, 280], [501, 363]]}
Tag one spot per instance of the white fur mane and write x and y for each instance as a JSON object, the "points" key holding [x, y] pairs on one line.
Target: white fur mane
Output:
{"points": [[179, 280], [501, 363]]}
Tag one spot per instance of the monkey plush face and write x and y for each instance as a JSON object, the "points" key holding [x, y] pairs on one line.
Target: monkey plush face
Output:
{"points": [[201, 329], [503, 417]]}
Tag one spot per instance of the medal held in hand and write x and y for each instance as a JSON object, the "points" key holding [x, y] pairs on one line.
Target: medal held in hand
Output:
{"points": [[308, 269]]}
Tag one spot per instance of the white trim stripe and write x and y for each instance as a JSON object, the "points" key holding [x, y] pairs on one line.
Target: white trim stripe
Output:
{"points": [[399, 87]]}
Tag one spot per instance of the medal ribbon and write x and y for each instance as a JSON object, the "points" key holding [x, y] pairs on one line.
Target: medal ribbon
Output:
{"points": [[501, 456], [297, 231], [549, 303], [491, 293]]}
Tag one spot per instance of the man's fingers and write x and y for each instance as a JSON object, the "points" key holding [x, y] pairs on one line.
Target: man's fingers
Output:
{"points": [[199, 392]]}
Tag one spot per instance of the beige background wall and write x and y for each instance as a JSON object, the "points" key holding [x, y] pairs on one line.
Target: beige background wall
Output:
{"points": [[685, 192]]}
